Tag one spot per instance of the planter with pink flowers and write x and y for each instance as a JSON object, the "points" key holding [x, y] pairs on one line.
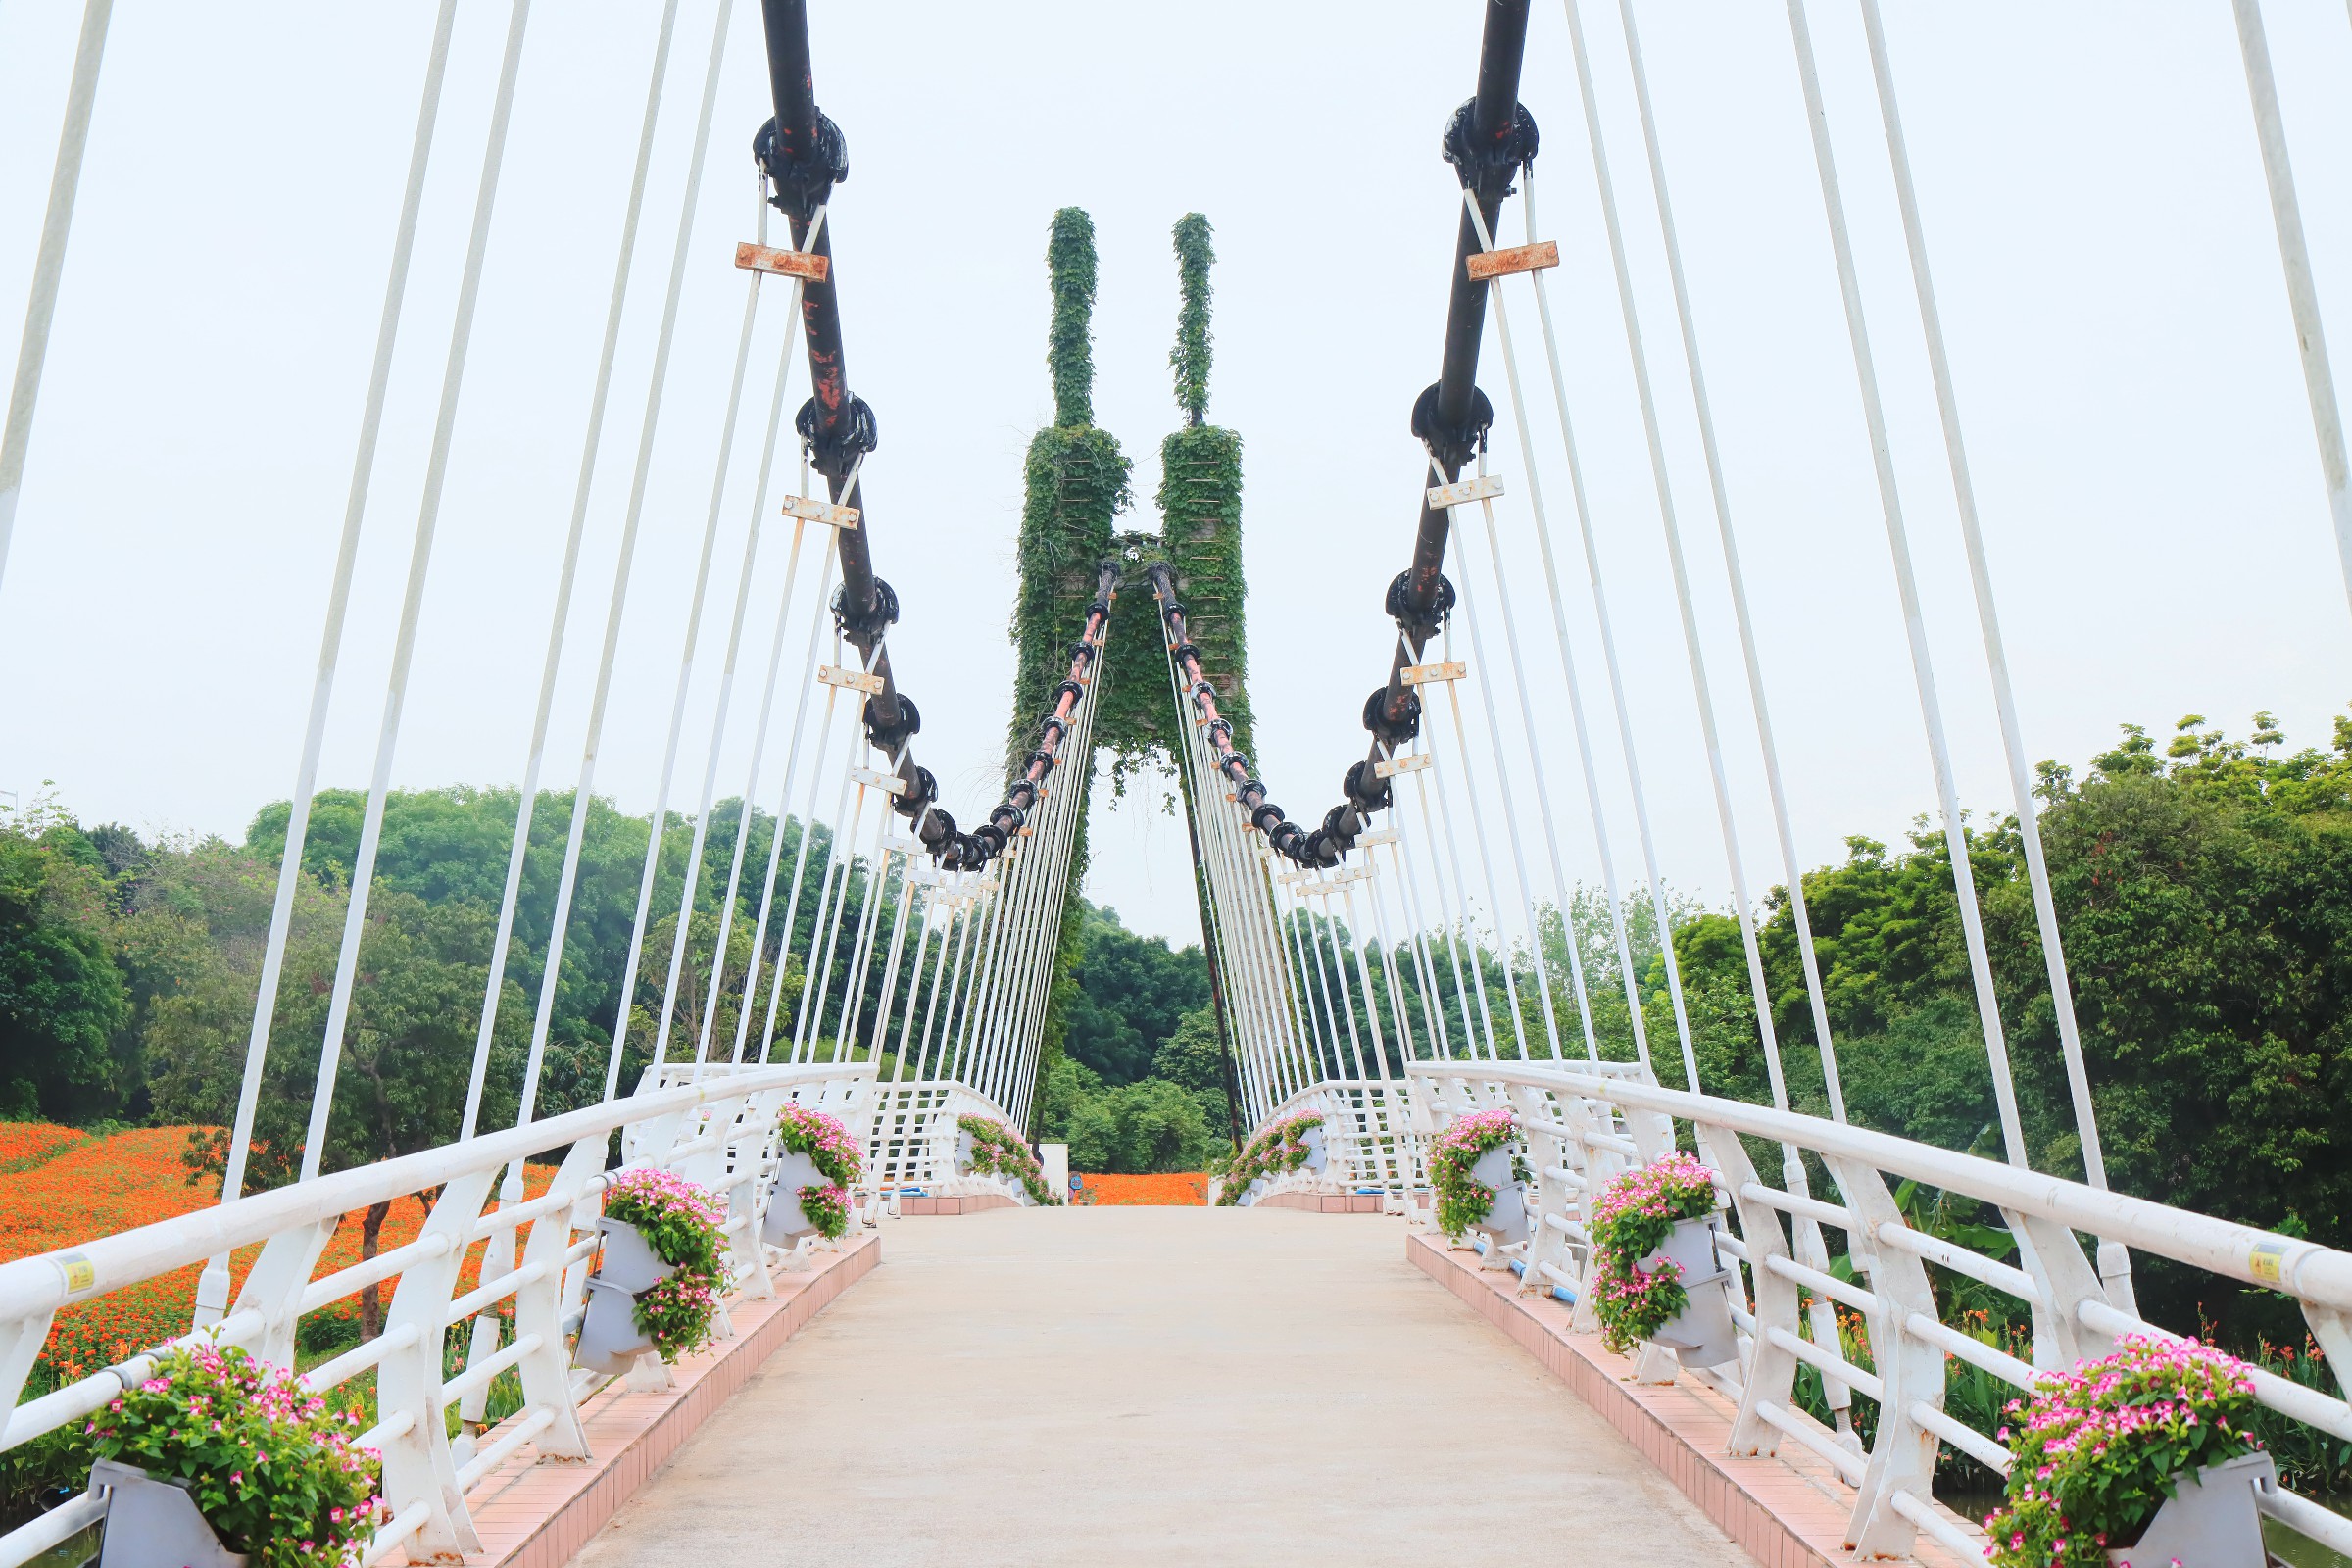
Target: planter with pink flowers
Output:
{"points": [[657, 1286]]}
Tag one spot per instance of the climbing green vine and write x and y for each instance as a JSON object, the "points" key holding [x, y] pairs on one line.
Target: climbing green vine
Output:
{"points": [[1077, 481]]}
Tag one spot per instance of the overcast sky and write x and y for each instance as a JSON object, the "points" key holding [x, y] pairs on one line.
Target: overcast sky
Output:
{"points": [[2091, 189]]}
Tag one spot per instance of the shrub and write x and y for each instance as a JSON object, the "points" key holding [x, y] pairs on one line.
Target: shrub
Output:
{"points": [[999, 1151], [836, 1155], [273, 1470], [2097, 1451], [1463, 1200], [680, 1222], [1279, 1147], [1630, 1221]]}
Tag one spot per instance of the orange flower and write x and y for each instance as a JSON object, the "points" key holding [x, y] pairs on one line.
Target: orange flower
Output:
{"points": [[1176, 1189]]}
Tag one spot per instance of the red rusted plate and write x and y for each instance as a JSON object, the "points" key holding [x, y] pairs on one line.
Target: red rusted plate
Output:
{"points": [[782, 263], [1489, 264]]}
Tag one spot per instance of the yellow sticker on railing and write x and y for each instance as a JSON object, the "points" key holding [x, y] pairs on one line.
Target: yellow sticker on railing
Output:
{"points": [[81, 1272], [2267, 1260]]}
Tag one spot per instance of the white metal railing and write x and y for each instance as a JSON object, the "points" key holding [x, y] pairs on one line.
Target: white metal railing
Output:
{"points": [[1369, 1136], [1583, 1123], [715, 1129], [910, 1130]]}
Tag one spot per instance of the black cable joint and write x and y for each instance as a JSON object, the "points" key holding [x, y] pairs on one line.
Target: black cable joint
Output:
{"points": [[1070, 689], [1267, 817], [1452, 445], [802, 180], [1252, 792], [1366, 790], [1232, 760], [1319, 852], [1420, 622], [1008, 816], [1036, 758], [887, 736], [1336, 829], [911, 804], [1394, 729], [1489, 164], [992, 840], [1220, 734], [1083, 650], [834, 446], [1202, 692], [1289, 843], [863, 627], [1050, 730], [1191, 650], [1023, 793], [1100, 608], [938, 830]]}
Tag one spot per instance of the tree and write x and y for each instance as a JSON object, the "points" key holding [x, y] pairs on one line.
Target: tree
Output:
{"points": [[62, 1002], [1132, 993]]}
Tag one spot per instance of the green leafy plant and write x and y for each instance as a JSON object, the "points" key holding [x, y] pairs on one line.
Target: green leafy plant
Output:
{"points": [[1632, 1219], [1280, 1146], [829, 1145], [2097, 1451], [272, 1470], [1462, 1199], [999, 1151], [680, 1221]]}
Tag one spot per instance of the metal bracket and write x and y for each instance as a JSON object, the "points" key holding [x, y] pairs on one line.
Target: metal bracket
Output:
{"points": [[1483, 487], [808, 508], [888, 783], [1373, 841], [788, 262], [857, 680], [1425, 674], [1401, 765], [1487, 266]]}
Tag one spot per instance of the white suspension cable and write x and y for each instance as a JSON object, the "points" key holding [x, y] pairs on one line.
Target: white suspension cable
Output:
{"points": [[1899, 542], [420, 556], [49, 264], [212, 1296], [1486, 864], [2294, 257]]}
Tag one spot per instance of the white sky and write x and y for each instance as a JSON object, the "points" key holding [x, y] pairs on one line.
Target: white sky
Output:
{"points": [[2090, 188]]}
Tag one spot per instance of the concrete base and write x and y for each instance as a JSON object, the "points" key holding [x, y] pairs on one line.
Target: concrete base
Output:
{"points": [[1788, 1511], [972, 1204], [1324, 1203], [539, 1515]]}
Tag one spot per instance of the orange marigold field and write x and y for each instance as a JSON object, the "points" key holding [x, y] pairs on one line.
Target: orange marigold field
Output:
{"points": [[26, 1144], [103, 1185], [1187, 1188]]}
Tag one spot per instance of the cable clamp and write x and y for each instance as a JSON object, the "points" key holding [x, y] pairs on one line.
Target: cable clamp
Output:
{"points": [[1481, 487], [868, 778], [1425, 674], [808, 508], [1487, 266], [1370, 840], [855, 680], [789, 263], [1401, 765]]}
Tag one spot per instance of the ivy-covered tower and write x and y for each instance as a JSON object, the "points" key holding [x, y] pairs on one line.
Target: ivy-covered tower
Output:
{"points": [[1077, 483]]}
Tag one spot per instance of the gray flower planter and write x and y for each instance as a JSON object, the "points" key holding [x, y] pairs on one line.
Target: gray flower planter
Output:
{"points": [[1701, 1333], [609, 1339], [152, 1523], [2211, 1521], [1253, 1192], [1506, 1220], [785, 1223], [1318, 1158], [964, 1151]]}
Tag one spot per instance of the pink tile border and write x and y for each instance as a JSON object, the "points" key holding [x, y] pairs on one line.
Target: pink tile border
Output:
{"points": [[533, 1516], [1324, 1203], [1788, 1511], [970, 1203]]}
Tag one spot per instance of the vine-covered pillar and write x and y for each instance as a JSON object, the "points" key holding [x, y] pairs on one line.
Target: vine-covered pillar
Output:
{"points": [[1076, 484]]}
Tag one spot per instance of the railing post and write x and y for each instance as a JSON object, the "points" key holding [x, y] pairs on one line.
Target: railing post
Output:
{"points": [[1769, 1376], [1545, 1150], [539, 1309], [1902, 1456], [418, 1467], [276, 1284], [2065, 1279]]}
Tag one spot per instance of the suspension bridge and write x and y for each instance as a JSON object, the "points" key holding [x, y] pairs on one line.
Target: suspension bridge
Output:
{"points": [[1267, 1374]]}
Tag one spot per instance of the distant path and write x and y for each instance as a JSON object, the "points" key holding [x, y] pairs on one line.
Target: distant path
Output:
{"points": [[1160, 1386]]}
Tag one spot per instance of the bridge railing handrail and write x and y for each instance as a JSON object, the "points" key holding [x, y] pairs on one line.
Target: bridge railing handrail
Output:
{"points": [[1582, 1126], [696, 1128]]}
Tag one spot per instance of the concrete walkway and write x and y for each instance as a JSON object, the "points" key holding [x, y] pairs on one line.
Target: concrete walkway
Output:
{"points": [[1153, 1385]]}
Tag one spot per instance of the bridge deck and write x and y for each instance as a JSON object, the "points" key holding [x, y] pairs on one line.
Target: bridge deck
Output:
{"points": [[1152, 1385]]}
